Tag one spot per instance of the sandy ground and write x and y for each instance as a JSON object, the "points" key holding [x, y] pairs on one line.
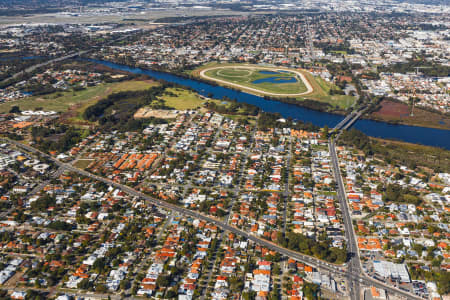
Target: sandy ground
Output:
{"points": [[146, 112], [309, 88]]}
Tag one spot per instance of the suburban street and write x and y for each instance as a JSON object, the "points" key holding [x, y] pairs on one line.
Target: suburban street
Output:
{"points": [[347, 271], [215, 150]]}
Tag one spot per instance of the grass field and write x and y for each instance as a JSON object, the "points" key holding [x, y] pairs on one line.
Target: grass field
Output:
{"points": [[183, 100], [76, 101], [268, 81], [83, 163], [320, 93]]}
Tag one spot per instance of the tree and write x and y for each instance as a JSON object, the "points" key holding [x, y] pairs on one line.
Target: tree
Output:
{"points": [[310, 290], [162, 281], [84, 284], [99, 265], [250, 295], [325, 130], [171, 294], [124, 284], [276, 270], [101, 288], [444, 283], [15, 110]]}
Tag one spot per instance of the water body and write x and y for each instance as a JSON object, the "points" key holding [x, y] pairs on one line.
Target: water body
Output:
{"points": [[275, 79], [268, 72], [22, 58], [411, 134]]}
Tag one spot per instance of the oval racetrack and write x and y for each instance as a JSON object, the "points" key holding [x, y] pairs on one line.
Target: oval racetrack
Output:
{"points": [[308, 86]]}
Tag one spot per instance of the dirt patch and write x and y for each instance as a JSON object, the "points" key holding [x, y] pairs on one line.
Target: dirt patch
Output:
{"points": [[393, 109], [146, 112], [71, 112], [401, 113]]}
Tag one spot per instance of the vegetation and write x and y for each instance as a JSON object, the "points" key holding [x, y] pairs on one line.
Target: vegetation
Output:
{"points": [[325, 96], [58, 138], [62, 101], [394, 111], [311, 290], [271, 120], [327, 93], [117, 110], [321, 249], [410, 155], [181, 99], [442, 278], [60, 225], [16, 65], [43, 203], [396, 193], [233, 108], [266, 81], [425, 67]]}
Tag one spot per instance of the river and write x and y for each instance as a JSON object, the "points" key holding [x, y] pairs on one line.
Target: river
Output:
{"points": [[20, 57], [411, 134]]}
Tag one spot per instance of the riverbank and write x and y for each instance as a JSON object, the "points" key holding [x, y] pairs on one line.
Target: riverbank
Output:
{"points": [[411, 134], [421, 118], [318, 92], [395, 112]]}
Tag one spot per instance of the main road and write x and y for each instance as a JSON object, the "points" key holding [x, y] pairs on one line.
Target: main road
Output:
{"points": [[354, 265], [314, 262], [34, 67], [57, 59]]}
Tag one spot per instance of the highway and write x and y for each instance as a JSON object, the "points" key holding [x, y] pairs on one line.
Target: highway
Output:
{"points": [[354, 265], [34, 67], [57, 59], [350, 273]]}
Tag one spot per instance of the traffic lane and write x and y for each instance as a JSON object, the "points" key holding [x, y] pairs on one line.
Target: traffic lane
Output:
{"points": [[306, 259]]}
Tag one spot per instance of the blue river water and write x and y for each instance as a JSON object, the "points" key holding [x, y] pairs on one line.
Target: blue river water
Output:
{"points": [[20, 57], [411, 134]]}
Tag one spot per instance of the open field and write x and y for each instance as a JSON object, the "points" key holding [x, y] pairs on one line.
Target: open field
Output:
{"points": [[83, 163], [148, 112], [400, 112], [321, 92], [319, 89], [183, 99], [262, 80], [78, 101]]}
